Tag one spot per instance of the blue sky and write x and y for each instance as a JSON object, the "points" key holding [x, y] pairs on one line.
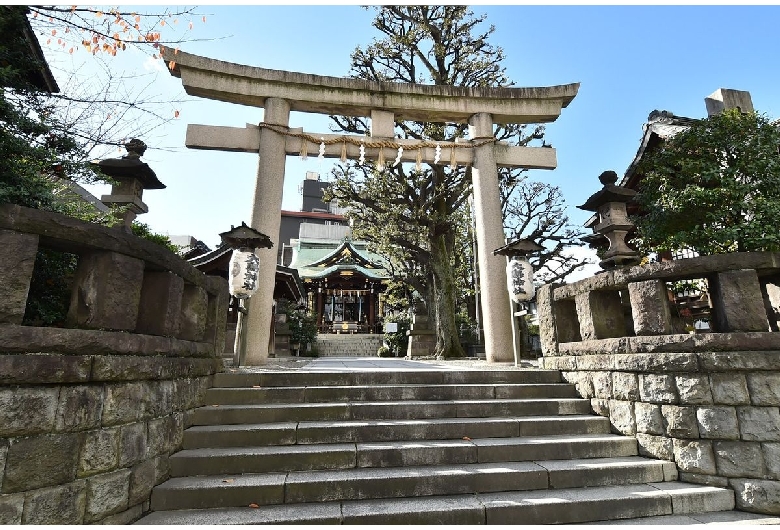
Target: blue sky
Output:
{"points": [[629, 60]]}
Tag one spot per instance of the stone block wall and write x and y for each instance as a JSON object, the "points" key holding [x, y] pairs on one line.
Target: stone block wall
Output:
{"points": [[715, 414], [710, 402], [84, 439], [90, 413]]}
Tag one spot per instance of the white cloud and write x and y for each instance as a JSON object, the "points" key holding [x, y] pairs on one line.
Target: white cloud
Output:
{"points": [[154, 65]]}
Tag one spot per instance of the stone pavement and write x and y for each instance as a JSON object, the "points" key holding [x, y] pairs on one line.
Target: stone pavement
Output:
{"points": [[378, 364], [365, 364]]}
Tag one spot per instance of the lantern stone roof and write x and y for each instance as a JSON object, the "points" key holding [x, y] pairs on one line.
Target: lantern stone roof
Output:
{"points": [[245, 236], [609, 193], [518, 247], [131, 166], [320, 258]]}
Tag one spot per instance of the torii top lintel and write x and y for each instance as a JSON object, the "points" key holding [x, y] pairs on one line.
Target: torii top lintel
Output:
{"points": [[249, 85]]}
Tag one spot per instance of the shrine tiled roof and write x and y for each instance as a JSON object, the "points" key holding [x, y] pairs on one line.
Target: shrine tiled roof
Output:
{"points": [[319, 258]]}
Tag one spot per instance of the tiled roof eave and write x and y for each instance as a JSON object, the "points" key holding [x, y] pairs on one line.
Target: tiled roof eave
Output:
{"points": [[307, 272], [210, 256]]}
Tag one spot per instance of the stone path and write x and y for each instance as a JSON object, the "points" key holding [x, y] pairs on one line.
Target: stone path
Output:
{"points": [[367, 364]]}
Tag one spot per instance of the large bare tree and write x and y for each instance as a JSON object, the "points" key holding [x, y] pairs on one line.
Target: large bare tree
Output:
{"points": [[414, 214], [537, 211]]}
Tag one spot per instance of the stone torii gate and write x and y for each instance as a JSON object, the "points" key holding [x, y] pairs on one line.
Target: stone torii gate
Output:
{"points": [[280, 92]]}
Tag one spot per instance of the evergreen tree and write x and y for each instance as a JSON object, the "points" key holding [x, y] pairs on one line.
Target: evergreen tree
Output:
{"points": [[33, 147], [713, 188]]}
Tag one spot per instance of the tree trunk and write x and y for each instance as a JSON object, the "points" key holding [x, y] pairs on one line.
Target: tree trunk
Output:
{"points": [[447, 340]]}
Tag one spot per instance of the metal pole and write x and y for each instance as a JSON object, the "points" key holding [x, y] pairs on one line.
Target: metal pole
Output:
{"points": [[513, 307]]}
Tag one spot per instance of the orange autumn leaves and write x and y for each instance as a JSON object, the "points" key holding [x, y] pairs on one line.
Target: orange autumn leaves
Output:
{"points": [[109, 31]]}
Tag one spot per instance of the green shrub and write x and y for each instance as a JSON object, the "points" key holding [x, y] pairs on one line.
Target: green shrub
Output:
{"points": [[398, 341], [50, 286], [143, 231], [384, 351], [303, 324]]}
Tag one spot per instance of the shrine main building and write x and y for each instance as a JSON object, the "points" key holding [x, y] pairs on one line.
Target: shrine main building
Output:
{"points": [[343, 280]]}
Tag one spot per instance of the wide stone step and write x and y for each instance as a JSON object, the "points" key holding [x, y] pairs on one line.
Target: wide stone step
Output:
{"points": [[313, 432], [410, 481], [400, 377], [223, 460], [412, 447], [566, 506], [326, 394], [733, 517], [272, 413], [577, 505]]}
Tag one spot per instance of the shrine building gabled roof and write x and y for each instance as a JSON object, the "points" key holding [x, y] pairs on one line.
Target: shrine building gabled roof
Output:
{"points": [[661, 125], [322, 258]]}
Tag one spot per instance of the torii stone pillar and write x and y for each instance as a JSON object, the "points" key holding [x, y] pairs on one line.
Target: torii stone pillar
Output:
{"points": [[497, 321], [266, 206], [280, 92]]}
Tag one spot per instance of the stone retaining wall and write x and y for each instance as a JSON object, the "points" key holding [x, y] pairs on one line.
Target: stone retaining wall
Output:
{"points": [[709, 402], [89, 444], [89, 414], [715, 414]]}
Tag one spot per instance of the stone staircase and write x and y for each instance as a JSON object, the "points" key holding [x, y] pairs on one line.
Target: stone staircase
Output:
{"points": [[346, 345], [412, 447]]}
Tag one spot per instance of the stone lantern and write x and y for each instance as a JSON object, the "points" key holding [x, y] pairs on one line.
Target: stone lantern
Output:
{"points": [[613, 223], [244, 264], [519, 272], [132, 177]]}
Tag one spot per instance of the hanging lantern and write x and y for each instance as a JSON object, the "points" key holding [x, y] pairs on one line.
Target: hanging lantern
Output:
{"points": [[519, 271], [244, 264], [519, 279]]}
